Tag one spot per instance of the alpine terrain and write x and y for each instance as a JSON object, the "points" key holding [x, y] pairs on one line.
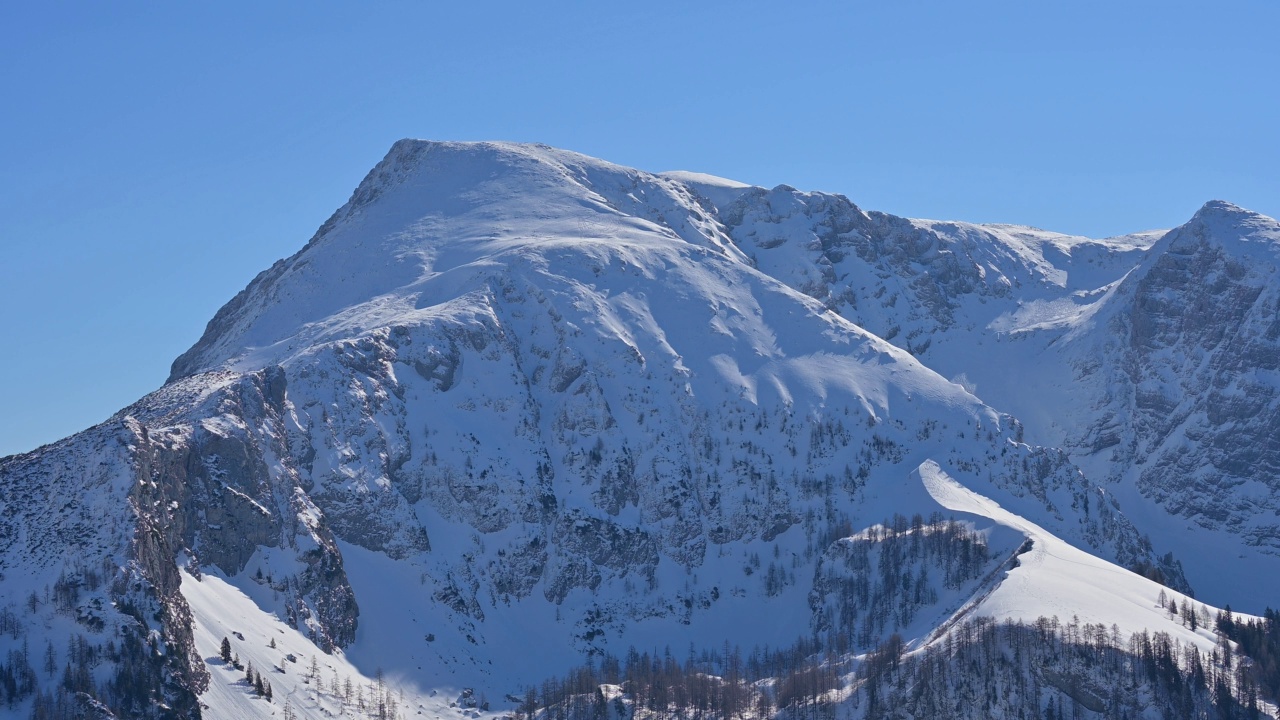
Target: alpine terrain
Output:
{"points": [[524, 434]]}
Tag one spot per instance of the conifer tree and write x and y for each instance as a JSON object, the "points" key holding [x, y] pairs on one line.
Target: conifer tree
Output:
{"points": [[50, 660]]}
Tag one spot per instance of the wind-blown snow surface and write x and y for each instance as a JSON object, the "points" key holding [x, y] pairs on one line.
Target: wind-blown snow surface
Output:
{"points": [[512, 406], [1055, 579]]}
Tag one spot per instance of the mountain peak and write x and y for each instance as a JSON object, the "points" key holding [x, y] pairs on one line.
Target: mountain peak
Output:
{"points": [[426, 207], [1222, 206], [1237, 230], [1223, 215], [433, 214], [444, 166]]}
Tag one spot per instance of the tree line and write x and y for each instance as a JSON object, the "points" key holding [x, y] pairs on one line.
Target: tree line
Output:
{"points": [[1045, 670]]}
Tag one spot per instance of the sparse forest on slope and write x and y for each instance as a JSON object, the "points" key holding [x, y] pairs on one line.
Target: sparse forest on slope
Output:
{"points": [[1044, 669]]}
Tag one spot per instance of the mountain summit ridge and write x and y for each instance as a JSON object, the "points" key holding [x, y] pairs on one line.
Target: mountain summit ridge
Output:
{"points": [[519, 194]]}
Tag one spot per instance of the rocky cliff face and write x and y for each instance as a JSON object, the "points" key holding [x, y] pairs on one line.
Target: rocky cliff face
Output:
{"points": [[912, 281], [1198, 342], [224, 486]]}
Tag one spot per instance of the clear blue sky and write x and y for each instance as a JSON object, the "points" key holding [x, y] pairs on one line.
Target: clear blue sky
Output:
{"points": [[156, 156]]}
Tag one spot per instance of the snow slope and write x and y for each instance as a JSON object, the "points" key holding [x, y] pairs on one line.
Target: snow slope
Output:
{"points": [[1055, 579]]}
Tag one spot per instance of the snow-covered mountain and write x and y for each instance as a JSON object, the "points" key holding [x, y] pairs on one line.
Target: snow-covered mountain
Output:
{"points": [[513, 407], [1150, 358]]}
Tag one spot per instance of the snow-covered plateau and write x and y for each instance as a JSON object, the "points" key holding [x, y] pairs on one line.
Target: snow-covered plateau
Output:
{"points": [[515, 414]]}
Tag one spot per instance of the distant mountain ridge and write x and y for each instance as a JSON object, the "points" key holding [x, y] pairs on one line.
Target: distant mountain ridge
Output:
{"points": [[512, 407]]}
